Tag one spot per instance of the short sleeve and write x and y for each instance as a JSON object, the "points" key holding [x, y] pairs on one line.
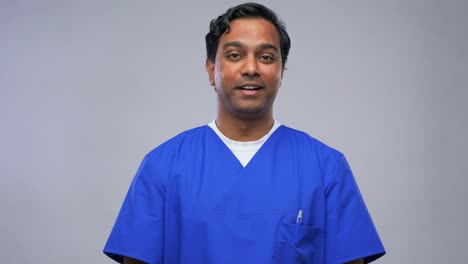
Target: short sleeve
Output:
{"points": [[350, 232], [138, 230]]}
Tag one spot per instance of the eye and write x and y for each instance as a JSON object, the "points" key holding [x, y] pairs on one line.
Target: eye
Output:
{"points": [[234, 56], [267, 58]]}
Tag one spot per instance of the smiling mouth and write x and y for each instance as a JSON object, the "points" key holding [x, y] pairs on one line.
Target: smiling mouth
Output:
{"points": [[250, 87]]}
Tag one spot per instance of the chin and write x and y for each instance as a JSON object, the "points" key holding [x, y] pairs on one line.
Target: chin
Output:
{"points": [[251, 112]]}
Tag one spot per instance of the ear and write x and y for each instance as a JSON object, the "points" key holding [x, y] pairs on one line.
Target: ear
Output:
{"points": [[209, 67], [281, 80], [283, 67]]}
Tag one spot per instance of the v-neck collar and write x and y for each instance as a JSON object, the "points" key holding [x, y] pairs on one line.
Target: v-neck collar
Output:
{"points": [[231, 155]]}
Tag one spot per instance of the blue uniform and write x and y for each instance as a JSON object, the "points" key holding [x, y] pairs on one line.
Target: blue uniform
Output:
{"points": [[193, 202]]}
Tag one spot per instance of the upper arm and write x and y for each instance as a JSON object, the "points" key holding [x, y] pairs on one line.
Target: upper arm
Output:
{"points": [[138, 230], [128, 260], [350, 230], [357, 261]]}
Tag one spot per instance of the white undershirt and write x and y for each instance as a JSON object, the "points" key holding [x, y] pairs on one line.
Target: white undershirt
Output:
{"points": [[244, 151]]}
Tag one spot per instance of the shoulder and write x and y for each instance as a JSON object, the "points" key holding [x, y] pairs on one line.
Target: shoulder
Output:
{"points": [[310, 142], [326, 158], [176, 144], [161, 160]]}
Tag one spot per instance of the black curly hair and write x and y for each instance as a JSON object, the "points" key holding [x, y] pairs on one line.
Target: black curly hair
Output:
{"points": [[221, 24]]}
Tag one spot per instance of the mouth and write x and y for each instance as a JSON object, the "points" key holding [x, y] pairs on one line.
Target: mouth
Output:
{"points": [[250, 87]]}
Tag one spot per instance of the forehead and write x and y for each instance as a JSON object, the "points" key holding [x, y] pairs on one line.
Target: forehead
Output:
{"points": [[251, 31]]}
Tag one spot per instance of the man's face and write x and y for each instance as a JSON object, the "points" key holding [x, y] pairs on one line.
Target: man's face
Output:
{"points": [[248, 68]]}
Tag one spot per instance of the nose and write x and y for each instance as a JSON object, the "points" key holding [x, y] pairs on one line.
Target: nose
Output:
{"points": [[250, 67]]}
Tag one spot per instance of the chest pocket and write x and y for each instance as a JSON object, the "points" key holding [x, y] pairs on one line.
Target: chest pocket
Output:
{"points": [[305, 247]]}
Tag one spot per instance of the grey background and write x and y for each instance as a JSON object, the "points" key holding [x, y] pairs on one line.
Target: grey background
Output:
{"points": [[88, 87]]}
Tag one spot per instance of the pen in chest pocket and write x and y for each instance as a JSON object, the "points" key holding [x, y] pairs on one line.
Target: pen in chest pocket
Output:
{"points": [[298, 223]]}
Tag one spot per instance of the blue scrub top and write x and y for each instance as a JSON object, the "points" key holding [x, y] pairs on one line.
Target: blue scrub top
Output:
{"points": [[192, 201]]}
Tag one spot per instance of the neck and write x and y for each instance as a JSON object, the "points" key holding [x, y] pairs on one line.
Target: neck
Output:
{"points": [[244, 129]]}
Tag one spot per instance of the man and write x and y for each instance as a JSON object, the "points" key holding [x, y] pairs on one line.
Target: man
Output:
{"points": [[244, 189]]}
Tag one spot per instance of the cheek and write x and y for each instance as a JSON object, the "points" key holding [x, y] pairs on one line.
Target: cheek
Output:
{"points": [[218, 73], [223, 74], [277, 76], [273, 74]]}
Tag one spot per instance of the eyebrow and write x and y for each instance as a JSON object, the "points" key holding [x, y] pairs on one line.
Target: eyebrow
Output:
{"points": [[239, 44], [265, 46]]}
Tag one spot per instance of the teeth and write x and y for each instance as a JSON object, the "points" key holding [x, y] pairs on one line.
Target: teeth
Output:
{"points": [[250, 87]]}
